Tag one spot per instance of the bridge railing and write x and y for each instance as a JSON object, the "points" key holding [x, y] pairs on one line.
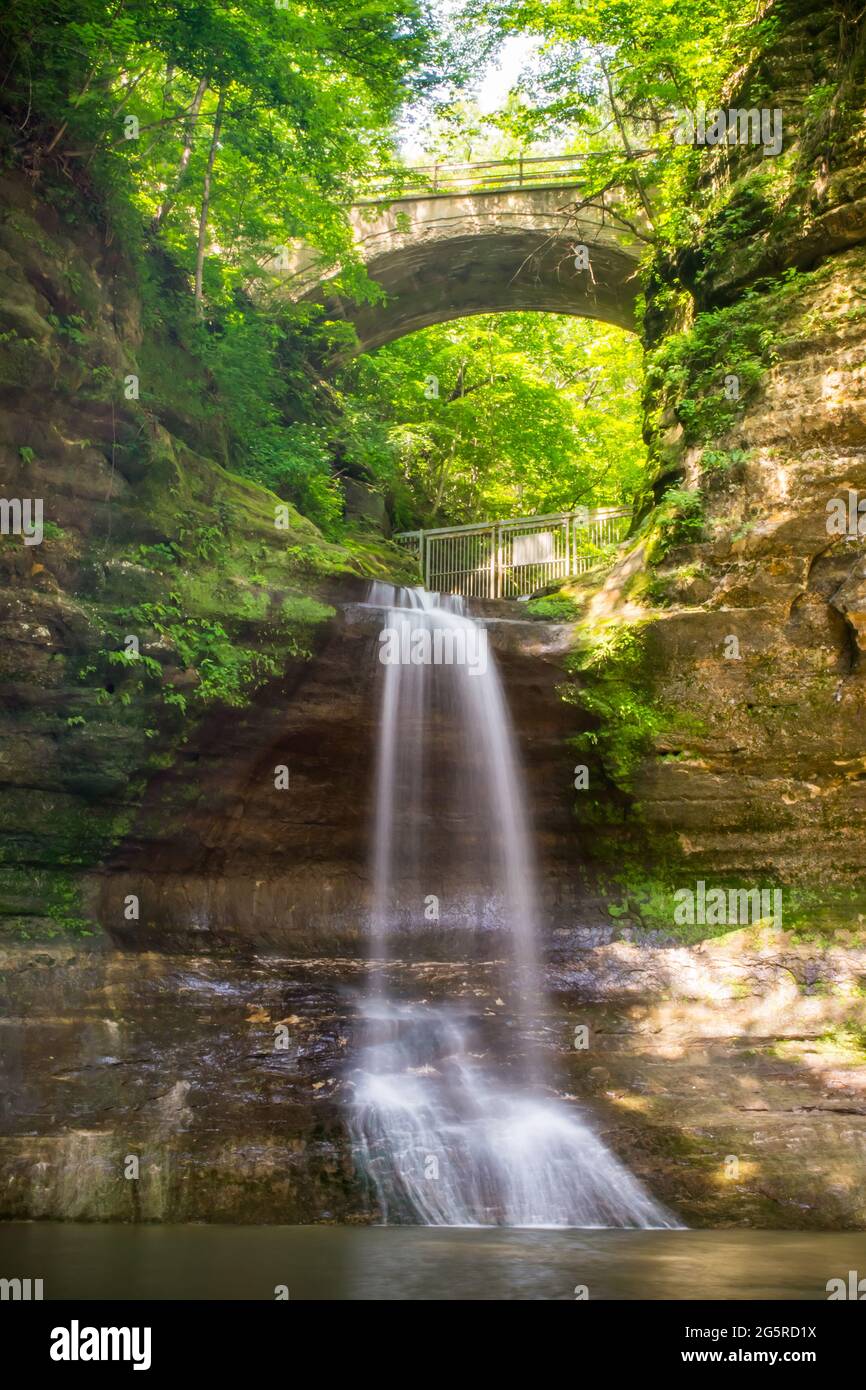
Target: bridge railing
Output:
{"points": [[517, 171], [512, 559], [521, 171]]}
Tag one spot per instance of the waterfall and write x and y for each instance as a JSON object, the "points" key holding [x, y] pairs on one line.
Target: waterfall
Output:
{"points": [[446, 1134]]}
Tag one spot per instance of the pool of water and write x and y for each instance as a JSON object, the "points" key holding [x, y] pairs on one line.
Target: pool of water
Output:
{"points": [[408, 1262]]}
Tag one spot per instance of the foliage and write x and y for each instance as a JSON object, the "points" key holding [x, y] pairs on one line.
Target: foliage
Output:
{"points": [[255, 365], [495, 416], [553, 608], [610, 684], [678, 520], [208, 138], [610, 80], [257, 126], [687, 372], [129, 94]]}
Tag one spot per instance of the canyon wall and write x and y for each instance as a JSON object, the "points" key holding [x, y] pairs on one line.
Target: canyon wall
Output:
{"points": [[723, 653]]}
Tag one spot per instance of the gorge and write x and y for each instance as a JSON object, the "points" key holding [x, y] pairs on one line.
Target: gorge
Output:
{"points": [[299, 931]]}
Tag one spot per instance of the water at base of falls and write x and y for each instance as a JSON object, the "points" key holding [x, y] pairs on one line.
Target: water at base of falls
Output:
{"points": [[444, 1143], [445, 1135]]}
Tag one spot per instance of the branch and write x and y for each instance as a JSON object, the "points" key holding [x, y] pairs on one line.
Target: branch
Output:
{"points": [[575, 209], [128, 91], [192, 120], [463, 391]]}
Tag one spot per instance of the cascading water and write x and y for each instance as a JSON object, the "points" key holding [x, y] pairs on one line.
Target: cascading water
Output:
{"points": [[443, 1138]]}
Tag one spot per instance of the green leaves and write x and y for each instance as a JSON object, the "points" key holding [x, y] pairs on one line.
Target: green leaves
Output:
{"points": [[127, 95], [499, 415], [687, 372], [610, 79]]}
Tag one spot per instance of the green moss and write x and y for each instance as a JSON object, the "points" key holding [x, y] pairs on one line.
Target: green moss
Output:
{"points": [[716, 462], [304, 611], [661, 589], [43, 904], [65, 907], [222, 581], [611, 685], [818, 912], [741, 211], [554, 608], [687, 372], [678, 520], [646, 900]]}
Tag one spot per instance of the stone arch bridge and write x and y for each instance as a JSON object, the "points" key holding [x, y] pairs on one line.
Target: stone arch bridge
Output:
{"points": [[483, 238]]}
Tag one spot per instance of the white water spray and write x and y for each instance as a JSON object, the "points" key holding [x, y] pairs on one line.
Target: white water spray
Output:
{"points": [[443, 1139]]}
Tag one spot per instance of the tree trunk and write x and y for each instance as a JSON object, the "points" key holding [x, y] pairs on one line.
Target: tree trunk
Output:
{"points": [[443, 474], [205, 205], [192, 120], [626, 143]]}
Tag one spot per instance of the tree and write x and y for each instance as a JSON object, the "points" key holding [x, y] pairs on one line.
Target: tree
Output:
{"points": [[240, 126], [612, 77], [500, 415]]}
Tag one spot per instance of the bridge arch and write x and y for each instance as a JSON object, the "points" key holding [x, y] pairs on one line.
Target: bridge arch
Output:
{"points": [[441, 256]]}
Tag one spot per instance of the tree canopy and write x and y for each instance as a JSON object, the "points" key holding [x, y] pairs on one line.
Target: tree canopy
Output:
{"points": [[217, 134], [232, 128], [611, 80], [500, 414]]}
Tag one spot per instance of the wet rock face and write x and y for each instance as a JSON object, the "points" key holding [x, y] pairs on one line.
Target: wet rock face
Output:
{"points": [[174, 1069], [736, 1073], [731, 1078], [221, 855]]}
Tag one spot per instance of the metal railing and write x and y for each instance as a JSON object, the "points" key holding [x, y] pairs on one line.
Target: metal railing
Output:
{"points": [[512, 559], [523, 171], [519, 171]]}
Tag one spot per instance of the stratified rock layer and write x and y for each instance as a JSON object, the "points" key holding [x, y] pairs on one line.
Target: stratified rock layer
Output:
{"points": [[146, 1087], [751, 615], [729, 1075], [221, 854]]}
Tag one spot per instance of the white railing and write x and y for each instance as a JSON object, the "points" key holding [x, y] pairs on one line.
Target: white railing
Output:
{"points": [[512, 559]]}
